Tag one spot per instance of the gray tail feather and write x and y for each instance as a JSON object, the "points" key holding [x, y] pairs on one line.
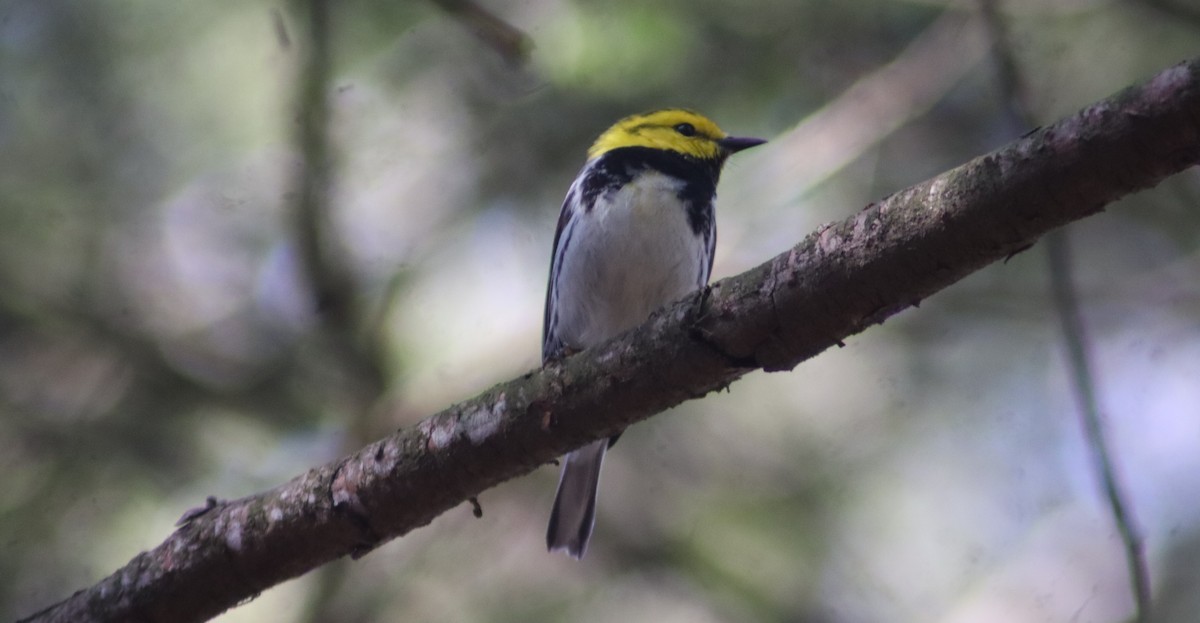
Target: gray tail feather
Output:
{"points": [[574, 511]]}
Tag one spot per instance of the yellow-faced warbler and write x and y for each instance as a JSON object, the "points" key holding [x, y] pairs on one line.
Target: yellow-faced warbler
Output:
{"points": [[636, 232]]}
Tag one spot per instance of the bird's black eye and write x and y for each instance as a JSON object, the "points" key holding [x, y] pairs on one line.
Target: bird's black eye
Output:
{"points": [[686, 129]]}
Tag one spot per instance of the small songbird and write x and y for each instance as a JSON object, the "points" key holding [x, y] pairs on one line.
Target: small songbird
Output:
{"points": [[636, 231]]}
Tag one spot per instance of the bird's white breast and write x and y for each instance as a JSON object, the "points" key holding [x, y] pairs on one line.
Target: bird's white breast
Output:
{"points": [[633, 253]]}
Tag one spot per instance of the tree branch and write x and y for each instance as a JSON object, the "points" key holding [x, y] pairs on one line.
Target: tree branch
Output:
{"points": [[836, 283]]}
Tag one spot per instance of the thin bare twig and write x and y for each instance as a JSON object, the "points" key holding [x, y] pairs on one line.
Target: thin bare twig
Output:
{"points": [[1017, 110], [510, 42], [334, 285], [323, 268], [1083, 382]]}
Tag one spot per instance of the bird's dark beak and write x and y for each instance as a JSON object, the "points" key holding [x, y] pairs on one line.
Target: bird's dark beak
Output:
{"points": [[734, 144]]}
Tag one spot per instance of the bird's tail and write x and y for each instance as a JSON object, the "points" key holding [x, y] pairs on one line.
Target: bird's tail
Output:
{"points": [[574, 511]]}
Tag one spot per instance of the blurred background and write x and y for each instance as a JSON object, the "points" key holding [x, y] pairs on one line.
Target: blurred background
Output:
{"points": [[192, 304]]}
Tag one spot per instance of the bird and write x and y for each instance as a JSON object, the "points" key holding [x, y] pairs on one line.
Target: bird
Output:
{"points": [[636, 231]]}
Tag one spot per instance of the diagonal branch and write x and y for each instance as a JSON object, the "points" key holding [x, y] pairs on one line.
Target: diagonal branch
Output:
{"points": [[835, 283]]}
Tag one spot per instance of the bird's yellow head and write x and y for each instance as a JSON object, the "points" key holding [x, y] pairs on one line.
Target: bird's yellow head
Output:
{"points": [[673, 129]]}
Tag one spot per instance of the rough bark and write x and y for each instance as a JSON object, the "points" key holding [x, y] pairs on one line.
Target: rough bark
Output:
{"points": [[835, 283]]}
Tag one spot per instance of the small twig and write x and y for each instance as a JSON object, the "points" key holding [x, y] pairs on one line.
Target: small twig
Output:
{"points": [[334, 286], [1083, 384], [1066, 303], [334, 295], [1017, 110], [210, 503], [510, 42], [280, 28]]}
